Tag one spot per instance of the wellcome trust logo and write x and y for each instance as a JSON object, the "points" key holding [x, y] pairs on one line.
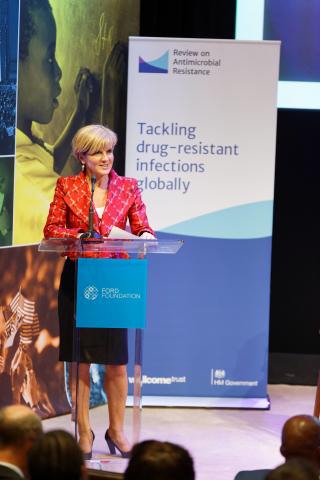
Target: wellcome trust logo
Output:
{"points": [[147, 380], [91, 292], [158, 65]]}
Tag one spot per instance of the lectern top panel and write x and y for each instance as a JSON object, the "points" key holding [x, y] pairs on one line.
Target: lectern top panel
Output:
{"points": [[139, 246]]}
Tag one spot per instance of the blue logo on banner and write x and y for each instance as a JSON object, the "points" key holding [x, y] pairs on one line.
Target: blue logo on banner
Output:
{"points": [[159, 65], [111, 293]]}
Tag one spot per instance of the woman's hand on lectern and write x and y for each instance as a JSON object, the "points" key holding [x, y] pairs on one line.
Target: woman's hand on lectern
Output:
{"points": [[147, 236]]}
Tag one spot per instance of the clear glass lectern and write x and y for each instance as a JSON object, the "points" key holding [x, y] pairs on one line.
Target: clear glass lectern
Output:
{"points": [[114, 249]]}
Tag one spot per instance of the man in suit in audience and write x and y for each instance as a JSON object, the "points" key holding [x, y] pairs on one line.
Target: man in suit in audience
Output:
{"points": [[300, 439], [19, 428]]}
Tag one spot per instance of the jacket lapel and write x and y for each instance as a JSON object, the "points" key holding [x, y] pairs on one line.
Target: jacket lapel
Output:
{"points": [[112, 209], [78, 195]]}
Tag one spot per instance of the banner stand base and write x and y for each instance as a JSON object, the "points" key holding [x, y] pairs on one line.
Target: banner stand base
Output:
{"points": [[204, 402]]}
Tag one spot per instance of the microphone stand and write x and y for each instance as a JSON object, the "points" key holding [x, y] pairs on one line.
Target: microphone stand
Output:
{"points": [[91, 233]]}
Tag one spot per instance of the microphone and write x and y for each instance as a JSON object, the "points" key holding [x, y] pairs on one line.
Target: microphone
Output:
{"points": [[90, 219], [91, 233]]}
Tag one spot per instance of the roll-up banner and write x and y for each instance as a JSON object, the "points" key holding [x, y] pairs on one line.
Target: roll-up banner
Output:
{"points": [[201, 132]]}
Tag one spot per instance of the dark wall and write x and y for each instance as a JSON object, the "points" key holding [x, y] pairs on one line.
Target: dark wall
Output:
{"points": [[187, 18], [295, 282]]}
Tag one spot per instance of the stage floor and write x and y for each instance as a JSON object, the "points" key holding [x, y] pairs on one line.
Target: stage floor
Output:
{"points": [[221, 441]]}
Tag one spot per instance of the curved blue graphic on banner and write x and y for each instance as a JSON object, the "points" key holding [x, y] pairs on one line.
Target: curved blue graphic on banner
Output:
{"points": [[253, 220], [208, 318], [159, 65]]}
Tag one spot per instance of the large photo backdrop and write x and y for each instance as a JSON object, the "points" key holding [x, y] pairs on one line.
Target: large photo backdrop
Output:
{"points": [[72, 59], [201, 128], [71, 73]]}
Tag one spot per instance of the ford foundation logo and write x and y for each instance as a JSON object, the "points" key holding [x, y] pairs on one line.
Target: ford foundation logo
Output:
{"points": [[91, 292]]}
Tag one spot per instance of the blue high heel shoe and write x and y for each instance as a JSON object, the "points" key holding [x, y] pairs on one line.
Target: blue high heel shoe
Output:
{"points": [[113, 446], [88, 455]]}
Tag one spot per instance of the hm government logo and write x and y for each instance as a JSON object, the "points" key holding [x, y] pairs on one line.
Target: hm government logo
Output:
{"points": [[219, 378], [219, 373], [158, 65], [91, 292]]}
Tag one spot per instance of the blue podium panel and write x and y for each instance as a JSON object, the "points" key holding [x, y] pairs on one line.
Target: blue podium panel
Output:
{"points": [[111, 293]]}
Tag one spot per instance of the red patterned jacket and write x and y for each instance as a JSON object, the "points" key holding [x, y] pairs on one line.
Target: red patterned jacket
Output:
{"points": [[68, 214]]}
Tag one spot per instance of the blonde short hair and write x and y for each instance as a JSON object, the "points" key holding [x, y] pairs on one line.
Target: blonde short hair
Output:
{"points": [[92, 138]]}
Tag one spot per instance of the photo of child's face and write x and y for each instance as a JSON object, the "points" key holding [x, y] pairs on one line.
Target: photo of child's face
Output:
{"points": [[39, 73]]}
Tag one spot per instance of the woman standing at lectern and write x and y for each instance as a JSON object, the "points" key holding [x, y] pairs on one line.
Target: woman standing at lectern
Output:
{"points": [[115, 199]]}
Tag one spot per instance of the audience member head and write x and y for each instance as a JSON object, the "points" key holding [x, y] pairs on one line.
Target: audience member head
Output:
{"points": [[56, 455], [156, 460], [20, 427], [294, 469], [301, 438]]}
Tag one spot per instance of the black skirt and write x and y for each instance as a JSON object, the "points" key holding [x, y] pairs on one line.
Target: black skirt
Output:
{"points": [[107, 346]]}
